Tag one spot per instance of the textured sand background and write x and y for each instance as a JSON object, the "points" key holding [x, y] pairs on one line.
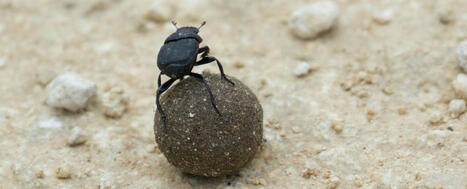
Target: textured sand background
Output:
{"points": [[373, 112]]}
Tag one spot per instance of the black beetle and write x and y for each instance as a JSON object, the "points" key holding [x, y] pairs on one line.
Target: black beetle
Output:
{"points": [[176, 59]]}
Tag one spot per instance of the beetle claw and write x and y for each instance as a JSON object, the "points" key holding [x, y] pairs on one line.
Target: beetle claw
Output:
{"points": [[228, 80]]}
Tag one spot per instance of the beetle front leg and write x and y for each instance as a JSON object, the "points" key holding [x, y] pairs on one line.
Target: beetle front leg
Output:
{"points": [[161, 90], [209, 59], [204, 50], [159, 80]]}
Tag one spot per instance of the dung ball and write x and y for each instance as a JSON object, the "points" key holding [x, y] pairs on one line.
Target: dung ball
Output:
{"points": [[199, 141]]}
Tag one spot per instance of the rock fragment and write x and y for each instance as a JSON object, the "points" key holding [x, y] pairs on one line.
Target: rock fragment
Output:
{"points": [[302, 69], [462, 55], [383, 17], [309, 21], [63, 172], [52, 123], [77, 137], [457, 107], [70, 92], [115, 102], [460, 85], [2, 62]]}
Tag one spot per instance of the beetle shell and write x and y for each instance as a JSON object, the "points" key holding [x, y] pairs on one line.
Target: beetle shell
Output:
{"points": [[177, 55]]}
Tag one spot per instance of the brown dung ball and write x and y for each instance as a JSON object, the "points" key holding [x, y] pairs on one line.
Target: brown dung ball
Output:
{"points": [[197, 139]]}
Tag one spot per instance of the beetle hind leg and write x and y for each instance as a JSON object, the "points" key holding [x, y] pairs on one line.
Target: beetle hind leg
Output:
{"points": [[209, 59]]}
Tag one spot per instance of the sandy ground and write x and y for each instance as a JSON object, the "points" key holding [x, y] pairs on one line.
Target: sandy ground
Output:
{"points": [[373, 113]]}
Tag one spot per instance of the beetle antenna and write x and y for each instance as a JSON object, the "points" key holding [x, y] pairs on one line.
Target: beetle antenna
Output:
{"points": [[175, 24], [202, 24]]}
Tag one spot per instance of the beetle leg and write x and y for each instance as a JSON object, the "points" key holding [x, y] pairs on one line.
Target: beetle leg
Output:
{"points": [[204, 50], [213, 102], [159, 80], [209, 59], [161, 90]]}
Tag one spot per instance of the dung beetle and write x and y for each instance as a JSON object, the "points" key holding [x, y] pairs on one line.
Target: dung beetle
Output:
{"points": [[176, 59]]}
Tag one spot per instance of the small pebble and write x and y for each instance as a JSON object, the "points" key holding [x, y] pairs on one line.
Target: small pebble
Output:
{"points": [[383, 17], [239, 65], [256, 181], [334, 182], [418, 177], [40, 174], [77, 137], [457, 107], [310, 172], [52, 123], [445, 12], [63, 172], [402, 111], [115, 102], [462, 55], [436, 118], [387, 90], [302, 69], [2, 62], [370, 114], [295, 130], [337, 127], [160, 11], [460, 85], [97, 7], [309, 21], [70, 91]]}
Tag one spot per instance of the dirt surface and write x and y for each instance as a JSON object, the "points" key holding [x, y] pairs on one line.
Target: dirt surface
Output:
{"points": [[372, 113]]}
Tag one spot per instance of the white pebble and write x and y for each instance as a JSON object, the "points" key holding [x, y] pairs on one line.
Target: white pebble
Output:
{"points": [[307, 22], [77, 137], [445, 11], [115, 102], [462, 55], [383, 17], [63, 172], [160, 11], [52, 123], [457, 107], [302, 69], [460, 85], [2, 62], [70, 91]]}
